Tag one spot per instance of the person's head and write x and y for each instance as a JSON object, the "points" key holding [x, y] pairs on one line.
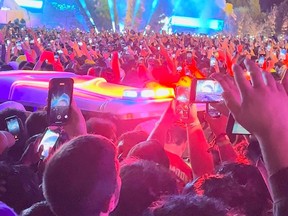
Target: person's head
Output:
{"points": [[183, 205], [143, 182], [128, 140], [82, 177], [225, 188], [36, 123], [22, 186], [150, 150], [38, 209], [101, 126], [249, 177]]}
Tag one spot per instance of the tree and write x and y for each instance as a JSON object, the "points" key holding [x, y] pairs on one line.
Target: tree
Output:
{"points": [[282, 18], [269, 21]]}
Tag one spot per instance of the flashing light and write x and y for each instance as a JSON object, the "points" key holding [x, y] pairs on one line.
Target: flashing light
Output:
{"points": [[159, 93], [130, 94], [147, 93], [37, 4], [214, 24]]}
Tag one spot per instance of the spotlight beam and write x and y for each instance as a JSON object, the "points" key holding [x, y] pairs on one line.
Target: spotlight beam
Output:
{"points": [[84, 6]]}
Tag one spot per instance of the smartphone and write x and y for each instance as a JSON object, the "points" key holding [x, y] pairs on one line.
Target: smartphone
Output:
{"points": [[261, 61], [206, 91], [18, 45], [234, 128], [212, 61], [268, 48], [182, 102], [14, 126], [59, 100], [212, 112], [282, 55], [48, 141]]}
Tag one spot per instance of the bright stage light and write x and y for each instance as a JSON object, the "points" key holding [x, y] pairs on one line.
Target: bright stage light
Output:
{"points": [[36, 4], [136, 8], [84, 6], [154, 6], [112, 15], [197, 23]]}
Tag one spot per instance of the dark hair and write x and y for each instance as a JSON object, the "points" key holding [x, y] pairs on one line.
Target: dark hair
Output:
{"points": [[128, 140], [22, 186], [101, 126], [150, 150], [81, 177], [250, 177], [143, 182], [36, 123], [38, 209], [183, 205], [242, 198]]}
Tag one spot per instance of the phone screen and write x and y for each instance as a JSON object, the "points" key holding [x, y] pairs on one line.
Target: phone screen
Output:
{"points": [[238, 129], [208, 91], [283, 54], [59, 100], [182, 101], [13, 126], [261, 60], [212, 61], [234, 128], [48, 141]]}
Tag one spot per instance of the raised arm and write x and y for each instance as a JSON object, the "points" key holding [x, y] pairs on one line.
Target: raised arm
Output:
{"points": [[201, 160], [262, 108]]}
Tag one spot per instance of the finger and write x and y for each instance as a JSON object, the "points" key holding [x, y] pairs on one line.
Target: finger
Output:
{"points": [[232, 103], [270, 81], [256, 74], [242, 83], [222, 80], [41, 149]]}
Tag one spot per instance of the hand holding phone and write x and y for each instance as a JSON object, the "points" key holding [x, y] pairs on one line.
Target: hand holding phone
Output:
{"points": [[59, 100], [48, 141], [182, 102], [14, 126]]}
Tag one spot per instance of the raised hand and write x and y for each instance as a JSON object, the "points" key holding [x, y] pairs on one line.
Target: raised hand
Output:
{"points": [[262, 108]]}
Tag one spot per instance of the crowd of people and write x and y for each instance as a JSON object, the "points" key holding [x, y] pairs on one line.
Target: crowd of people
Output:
{"points": [[161, 167]]}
